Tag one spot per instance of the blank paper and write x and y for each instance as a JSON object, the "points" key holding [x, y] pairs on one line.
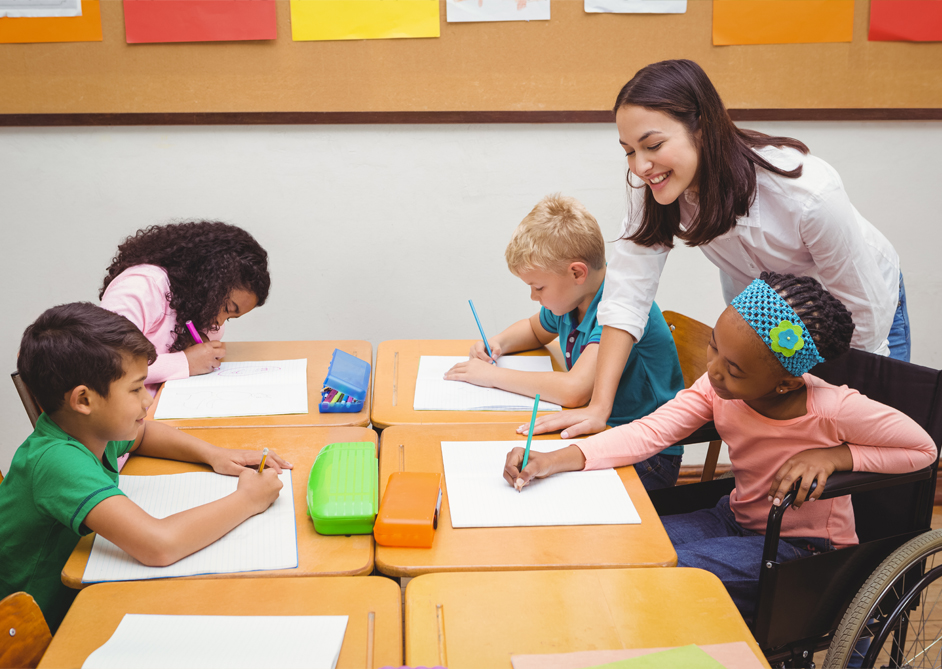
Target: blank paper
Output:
{"points": [[234, 642], [434, 393], [263, 388], [478, 495], [268, 540]]}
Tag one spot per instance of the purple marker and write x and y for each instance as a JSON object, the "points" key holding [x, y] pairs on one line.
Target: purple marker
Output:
{"points": [[193, 332]]}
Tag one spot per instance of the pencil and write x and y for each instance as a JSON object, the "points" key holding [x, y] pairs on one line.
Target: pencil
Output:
{"points": [[193, 332], [526, 452], [481, 330], [261, 465]]}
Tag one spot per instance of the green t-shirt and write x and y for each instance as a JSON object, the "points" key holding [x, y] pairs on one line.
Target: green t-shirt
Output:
{"points": [[54, 481]]}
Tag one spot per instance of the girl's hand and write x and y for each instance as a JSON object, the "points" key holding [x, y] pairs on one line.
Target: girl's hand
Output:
{"points": [[814, 464], [540, 465], [474, 371], [479, 351], [234, 462], [573, 423], [260, 490], [204, 358]]}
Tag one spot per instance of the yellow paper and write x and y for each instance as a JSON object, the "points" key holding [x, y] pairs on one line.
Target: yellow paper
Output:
{"points": [[363, 19], [782, 21]]}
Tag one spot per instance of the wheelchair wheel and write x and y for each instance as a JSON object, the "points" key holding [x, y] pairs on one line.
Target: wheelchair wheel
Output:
{"points": [[899, 609]]}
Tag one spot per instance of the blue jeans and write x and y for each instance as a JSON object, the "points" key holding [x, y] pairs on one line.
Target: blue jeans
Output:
{"points": [[659, 471], [711, 539], [899, 338]]}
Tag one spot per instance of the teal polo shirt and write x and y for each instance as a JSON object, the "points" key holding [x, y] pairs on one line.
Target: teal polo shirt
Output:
{"points": [[652, 374]]}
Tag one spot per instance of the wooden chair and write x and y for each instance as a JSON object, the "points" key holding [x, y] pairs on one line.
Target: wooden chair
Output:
{"points": [[25, 633], [29, 402], [691, 337]]}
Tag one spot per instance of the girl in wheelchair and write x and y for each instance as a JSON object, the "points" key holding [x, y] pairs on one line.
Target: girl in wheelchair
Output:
{"points": [[781, 425]]}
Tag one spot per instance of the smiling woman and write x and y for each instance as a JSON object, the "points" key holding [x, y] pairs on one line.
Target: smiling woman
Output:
{"points": [[750, 202]]}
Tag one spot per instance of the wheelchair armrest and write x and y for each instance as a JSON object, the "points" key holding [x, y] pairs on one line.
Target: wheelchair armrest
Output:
{"points": [[704, 433]]}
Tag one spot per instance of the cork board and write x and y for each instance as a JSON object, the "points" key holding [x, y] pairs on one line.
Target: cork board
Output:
{"points": [[576, 61]]}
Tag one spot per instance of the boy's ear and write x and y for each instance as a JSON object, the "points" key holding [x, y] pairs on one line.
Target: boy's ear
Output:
{"points": [[79, 399], [579, 271]]}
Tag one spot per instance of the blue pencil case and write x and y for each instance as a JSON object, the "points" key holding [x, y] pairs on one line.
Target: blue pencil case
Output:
{"points": [[348, 379]]}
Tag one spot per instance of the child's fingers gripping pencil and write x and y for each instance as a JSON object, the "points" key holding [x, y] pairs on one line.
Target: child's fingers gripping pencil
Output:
{"points": [[526, 452], [261, 465], [481, 330]]}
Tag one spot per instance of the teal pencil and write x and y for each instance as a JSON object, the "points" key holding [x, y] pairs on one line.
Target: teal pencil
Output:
{"points": [[526, 452]]}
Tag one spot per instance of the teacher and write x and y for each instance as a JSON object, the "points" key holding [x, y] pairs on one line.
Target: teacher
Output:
{"points": [[751, 202]]}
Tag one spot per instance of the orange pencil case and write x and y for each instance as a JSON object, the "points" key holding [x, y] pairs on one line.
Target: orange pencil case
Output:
{"points": [[408, 514]]}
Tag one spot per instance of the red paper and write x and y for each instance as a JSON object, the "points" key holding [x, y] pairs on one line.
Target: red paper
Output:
{"points": [[199, 20], [906, 21]]}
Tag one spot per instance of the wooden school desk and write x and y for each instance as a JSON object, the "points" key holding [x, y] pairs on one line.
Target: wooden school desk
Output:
{"points": [[486, 617], [503, 548], [397, 364], [318, 555], [97, 610], [318, 354]]}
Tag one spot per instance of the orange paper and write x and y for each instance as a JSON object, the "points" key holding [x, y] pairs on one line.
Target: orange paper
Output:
{"points": [[782, 21], [84, 28]]}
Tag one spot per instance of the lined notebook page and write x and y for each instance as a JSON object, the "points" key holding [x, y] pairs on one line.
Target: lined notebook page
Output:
{"points": [[478, 495], [203, 642], [434, 393], [261, 388], [268, 540]]}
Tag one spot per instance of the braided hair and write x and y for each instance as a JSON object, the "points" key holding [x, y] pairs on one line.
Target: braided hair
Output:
{"points": [[825, 316], [204, 260]]}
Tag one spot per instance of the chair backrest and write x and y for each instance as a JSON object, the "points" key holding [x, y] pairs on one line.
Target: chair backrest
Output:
{"points": [[25, 633], [691, 338], [29, 402]]}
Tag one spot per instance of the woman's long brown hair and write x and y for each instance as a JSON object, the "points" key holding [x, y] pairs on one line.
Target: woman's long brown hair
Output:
{"points": [[727, 167]]}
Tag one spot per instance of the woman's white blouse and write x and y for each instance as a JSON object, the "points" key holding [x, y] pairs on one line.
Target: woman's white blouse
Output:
{"points": [[805, 226]]}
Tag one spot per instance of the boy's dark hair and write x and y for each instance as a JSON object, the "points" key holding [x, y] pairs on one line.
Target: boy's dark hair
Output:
{"points": [[205, 261], [77, 344], [825, 316]]}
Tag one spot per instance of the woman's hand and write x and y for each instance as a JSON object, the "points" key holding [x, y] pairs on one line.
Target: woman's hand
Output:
{"points": [[573, 423], [815, 464], [204, 358]]}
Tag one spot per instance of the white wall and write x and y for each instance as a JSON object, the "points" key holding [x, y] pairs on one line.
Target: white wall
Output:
{"points": [[384, 232]]}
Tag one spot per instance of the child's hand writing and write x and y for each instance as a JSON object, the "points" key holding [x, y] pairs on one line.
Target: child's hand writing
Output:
{"points": [[260, 490], [540, 465], [204, 358], [474, 371], [233, 462], [813, 464], [479, 351]]}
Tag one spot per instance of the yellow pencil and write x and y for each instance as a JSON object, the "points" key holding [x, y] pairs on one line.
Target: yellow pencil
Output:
{"points": [[261, 465]]}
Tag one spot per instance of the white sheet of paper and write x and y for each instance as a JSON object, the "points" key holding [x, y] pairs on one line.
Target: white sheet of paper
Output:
{"points": [[268, 540], [262, 388], [460, 11], [636, 6], [234, 642], [478, 495], [40, 8], [434, 393]]}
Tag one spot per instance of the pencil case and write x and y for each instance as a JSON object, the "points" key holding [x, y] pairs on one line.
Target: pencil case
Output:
{"points": [[348, 379], [343, 488], [408, 515]]}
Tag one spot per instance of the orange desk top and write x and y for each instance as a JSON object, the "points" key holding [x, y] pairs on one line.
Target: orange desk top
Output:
{"points": [[397, 365], [98, 609], [318, 354], [486, 617], [509, 548], [318, 555]]}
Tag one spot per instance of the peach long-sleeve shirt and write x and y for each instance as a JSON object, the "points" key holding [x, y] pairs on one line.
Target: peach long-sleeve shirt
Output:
{"points": [[140, 294], [881, 439]]}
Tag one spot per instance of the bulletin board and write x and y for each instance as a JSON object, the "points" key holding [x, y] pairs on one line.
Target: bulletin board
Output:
{"points": [[567, 69]]}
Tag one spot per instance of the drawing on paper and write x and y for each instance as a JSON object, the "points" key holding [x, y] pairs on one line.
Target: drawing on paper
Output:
{"points": [[247, 371], [497, 10]]}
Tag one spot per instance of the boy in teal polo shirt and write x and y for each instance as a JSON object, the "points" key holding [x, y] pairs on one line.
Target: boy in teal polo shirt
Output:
{"points": [[86, 367], [558, 251]]}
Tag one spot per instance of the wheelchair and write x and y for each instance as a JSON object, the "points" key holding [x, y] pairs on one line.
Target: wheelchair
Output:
{"points": [[870, 605]]}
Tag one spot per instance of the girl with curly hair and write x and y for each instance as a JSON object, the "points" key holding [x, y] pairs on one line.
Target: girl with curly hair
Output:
{"points": [[165, 275]]}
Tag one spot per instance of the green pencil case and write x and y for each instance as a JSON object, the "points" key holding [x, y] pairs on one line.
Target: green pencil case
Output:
{"points": [[343, 489]]}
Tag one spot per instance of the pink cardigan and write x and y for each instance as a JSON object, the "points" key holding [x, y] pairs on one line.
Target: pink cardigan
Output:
{"points": [[140, 294], [881, 439]]}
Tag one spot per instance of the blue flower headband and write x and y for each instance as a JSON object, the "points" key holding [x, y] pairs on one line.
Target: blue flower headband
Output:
{"points": [[779, 326]]}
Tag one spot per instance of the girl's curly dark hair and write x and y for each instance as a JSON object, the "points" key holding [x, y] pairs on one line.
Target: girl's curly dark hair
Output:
{"points": [[825, 316], [205, 261]]}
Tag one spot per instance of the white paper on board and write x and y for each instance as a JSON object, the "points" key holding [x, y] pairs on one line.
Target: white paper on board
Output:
{"points": [[636, 6], [464, 11]]}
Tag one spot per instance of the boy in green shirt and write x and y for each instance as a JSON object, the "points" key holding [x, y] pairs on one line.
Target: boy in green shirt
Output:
{"points": [[86, 367], [558, 251]]}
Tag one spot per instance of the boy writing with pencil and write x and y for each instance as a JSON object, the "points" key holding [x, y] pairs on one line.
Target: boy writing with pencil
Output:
{"points": [[86, 366], [558, 251]]}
